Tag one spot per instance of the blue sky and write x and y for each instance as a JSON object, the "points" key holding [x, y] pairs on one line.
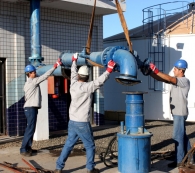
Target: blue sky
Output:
{"points": [[133, 15]]}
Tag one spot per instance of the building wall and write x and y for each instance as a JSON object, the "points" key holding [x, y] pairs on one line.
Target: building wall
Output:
{"points": [[115, 43], [183, 45], [156, 105], [60, 31]]}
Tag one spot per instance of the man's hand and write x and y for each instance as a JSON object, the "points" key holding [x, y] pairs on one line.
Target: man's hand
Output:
{"points": [[75, 57], [110, 66], [154, 68], [58, 62]]}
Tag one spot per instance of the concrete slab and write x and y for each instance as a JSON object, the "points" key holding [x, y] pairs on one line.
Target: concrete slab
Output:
{"points": [[160, 166], [74, 164]]}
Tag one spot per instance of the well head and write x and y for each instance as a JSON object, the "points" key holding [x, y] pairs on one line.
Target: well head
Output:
{"points": [[126, 80]]}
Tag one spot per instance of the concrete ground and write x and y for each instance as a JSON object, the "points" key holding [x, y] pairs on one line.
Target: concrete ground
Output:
{"points": [[49, 150], [75, 164]]}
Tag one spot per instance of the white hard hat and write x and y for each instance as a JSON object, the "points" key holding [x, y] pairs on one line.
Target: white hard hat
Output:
{"points": [[83, 70]]}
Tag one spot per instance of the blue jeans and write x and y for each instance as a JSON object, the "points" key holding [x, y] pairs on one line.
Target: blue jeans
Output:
{"points": [[31, 116], [182, 143], [83, 131]]}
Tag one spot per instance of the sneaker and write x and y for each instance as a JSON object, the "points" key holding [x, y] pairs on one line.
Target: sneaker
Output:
{"points": [[26, 154], [174, 165], [57, 171], [94, 170]]}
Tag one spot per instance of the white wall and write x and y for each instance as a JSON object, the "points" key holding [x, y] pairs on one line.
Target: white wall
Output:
{"points": [[188, 54], [156, 102], [42, 125]]}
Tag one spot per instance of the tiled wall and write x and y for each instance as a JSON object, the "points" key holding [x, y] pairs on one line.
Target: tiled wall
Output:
{"points": [[16, 121], [58, 112], [60, 31]]}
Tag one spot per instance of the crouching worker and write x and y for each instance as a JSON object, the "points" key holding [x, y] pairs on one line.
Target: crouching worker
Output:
{"points": [[79, 125], [32, 104]]}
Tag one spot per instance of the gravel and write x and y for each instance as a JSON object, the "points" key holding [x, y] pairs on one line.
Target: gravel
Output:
{"points": [[160, 141]]}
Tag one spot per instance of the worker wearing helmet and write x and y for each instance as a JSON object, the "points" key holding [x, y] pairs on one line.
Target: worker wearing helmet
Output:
{"points": [[32, 104], [178, 105], [79, 113]]}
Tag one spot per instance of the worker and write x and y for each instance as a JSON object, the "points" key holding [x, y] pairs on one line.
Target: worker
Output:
{"points": [[79, 113], [32, 104], [178, 105]]}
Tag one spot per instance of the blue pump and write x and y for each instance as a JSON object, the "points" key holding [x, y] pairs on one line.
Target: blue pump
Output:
{"points": [[134, 143]]}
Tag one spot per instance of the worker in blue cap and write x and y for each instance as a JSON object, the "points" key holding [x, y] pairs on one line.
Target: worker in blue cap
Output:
{"points": [[32, 104], [179, 106]]}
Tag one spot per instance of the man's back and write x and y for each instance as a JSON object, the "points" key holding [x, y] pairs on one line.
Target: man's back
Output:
{"points": [[81, 95], [81, 102], [179, 95]]}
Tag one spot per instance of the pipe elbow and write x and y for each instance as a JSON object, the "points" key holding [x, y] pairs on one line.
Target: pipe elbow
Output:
{"points": [[126, 65]]}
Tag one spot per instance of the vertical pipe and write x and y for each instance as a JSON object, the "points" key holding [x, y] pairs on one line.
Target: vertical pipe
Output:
{"points": [[134, 117], [35, 58]]}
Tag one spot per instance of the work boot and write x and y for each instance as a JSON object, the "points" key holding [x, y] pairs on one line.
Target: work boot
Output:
{"points": [[94, 170], [57, 171], [26, 154], [30, 150], [174, 165]]}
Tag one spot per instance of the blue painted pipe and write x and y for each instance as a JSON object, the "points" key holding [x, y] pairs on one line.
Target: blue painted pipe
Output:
{"points": [[43, 69], [134, 145], [125, 62], [35, 58], [134, 117], [127, 67]]}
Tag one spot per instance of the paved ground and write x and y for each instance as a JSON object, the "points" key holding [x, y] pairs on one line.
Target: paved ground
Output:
{"points": [[49, 149], [74, 164]]}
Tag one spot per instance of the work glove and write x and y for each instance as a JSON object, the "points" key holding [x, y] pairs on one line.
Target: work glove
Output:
{"points": [[135, 53], [110, 66], [154, 68], [75, 57], [58, 62]]}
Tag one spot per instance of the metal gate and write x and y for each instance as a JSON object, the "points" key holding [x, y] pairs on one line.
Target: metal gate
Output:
{"points": [[2, 95]]}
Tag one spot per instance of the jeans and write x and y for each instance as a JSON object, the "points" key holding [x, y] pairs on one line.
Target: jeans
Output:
{"points": [[182, 143], [31, 116], [83, 131]]}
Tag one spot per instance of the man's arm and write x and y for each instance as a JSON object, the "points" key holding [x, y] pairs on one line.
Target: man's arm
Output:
{"points": [[74, 70], [44, 76], [157, 77], [161, 76], [49, 72], [96, 84]]}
